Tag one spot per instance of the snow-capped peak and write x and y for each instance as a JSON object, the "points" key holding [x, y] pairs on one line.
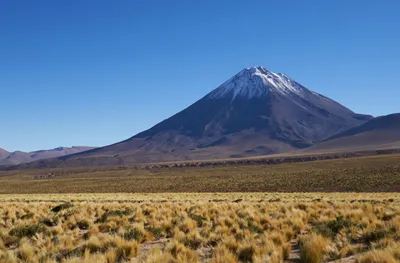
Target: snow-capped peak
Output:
{"points": [[256, 82]]}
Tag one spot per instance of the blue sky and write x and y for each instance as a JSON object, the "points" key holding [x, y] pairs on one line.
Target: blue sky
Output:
{"points": [[97, 72]]}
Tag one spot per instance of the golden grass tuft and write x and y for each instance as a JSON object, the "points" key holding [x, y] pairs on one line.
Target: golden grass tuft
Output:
{"points": [[313, 249]]}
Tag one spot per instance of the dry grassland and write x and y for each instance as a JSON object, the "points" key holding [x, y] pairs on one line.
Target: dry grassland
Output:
{"points": [[365, 174], [214, 227]]}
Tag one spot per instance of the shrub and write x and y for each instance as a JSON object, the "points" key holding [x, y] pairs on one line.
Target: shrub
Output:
{"points": [[255, 228], [60, 207], [198, 218], [83, 224], [333, 227], [27, 231], [48, 222], [246, 253], [27, 216], [375, 235]]}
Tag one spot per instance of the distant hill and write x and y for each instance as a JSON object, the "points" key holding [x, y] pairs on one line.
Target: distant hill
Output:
{"points": [[18, 157], [256, 112], [379, 133], [3, 153]]}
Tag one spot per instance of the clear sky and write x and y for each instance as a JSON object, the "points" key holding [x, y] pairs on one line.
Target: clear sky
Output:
{"points": [[97, 72]]}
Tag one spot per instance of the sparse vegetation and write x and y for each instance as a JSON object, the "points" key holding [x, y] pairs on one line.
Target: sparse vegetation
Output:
{"points": [[262, 227], [365, 174]]}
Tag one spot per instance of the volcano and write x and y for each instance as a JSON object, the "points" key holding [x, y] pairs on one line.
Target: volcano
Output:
{"points": [[256, 112]]}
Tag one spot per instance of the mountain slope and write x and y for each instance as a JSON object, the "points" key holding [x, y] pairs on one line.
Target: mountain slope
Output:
{"points": [[379, 133], [18, 157], [255, 112], [3, 153]]}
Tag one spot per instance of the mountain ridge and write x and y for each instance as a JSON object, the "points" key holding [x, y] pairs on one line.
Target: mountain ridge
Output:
{"points": [[18, 157], [382, 132]]}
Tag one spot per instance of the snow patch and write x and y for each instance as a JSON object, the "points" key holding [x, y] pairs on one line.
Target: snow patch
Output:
{"points": [[256, 82]]}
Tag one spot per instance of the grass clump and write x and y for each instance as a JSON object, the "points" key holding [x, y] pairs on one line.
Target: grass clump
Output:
{"points": [[380, 256], [118, 213], [181, 253], [223, 255], [134, 234], [313, 249]]}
